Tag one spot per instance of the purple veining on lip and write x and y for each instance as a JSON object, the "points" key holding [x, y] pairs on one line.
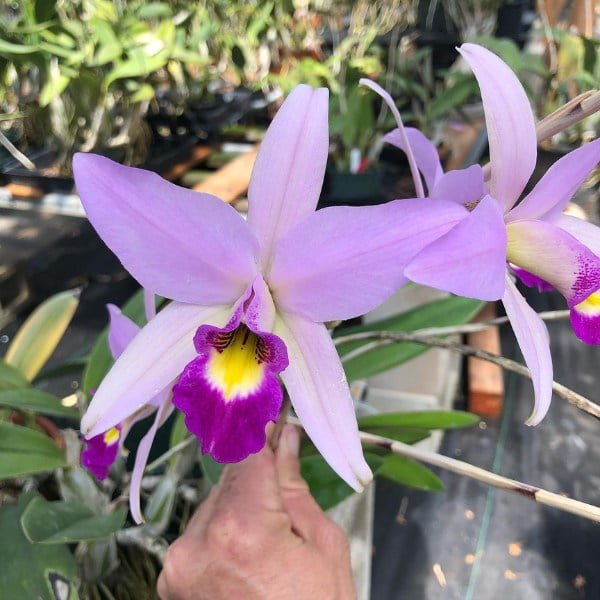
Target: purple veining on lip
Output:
{"points": [[101, 452], [531, 280], [230, 420], [588, 279]]}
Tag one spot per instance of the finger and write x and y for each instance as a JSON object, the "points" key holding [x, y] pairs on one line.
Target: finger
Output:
{"points": [[250, 485], [304, 512]]}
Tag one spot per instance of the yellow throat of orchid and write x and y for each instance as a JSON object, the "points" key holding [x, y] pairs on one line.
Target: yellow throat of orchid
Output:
{"points": [[591, 305], [235, 367]]}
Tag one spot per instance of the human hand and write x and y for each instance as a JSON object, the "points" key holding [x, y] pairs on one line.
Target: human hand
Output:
{"points": [[260, 535]]}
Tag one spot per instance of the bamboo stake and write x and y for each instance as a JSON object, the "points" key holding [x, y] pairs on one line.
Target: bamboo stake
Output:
{"points": [[539, 495]]}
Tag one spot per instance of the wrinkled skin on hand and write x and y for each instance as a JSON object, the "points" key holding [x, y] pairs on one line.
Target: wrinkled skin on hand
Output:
{"points": [[260, 535]]}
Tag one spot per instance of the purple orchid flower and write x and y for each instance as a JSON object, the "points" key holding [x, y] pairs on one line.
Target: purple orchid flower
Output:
{"points": [[250, 299], [101, 450], [477, 256]]}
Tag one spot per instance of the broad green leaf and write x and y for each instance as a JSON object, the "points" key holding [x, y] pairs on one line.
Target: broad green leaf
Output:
{"points": [[11, 378], [38, 337], [159, 508], [32, 571], [100, 360], [53, 88], [154, 10], [211, 469], [406, 435], [24, 451], [422, 419], [36, 401], [66, 522], [327, 488], [453, 310], [144, 92], [410, 473], [69, 367]]}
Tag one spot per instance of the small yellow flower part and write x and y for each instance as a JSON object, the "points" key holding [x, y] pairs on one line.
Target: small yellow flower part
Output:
{"points": [[112, 436]]}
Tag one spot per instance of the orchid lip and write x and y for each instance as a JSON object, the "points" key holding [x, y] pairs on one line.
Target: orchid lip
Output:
{"points": [[231, 390]]}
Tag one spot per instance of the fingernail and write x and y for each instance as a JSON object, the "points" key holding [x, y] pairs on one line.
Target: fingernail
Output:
{"points": [[290, 439]]}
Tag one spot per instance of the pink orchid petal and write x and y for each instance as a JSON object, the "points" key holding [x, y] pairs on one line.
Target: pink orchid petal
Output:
{"points": [[143, 452], [510, 124], [585, 319], [556, 256], [121, 331], [469, 260], [317, 386], [424, 151], [549, 197], [587, 233], [533, 339], [288, 174], [177, 243], [463, 185], [156, 356], [341, 262], [401, 132], [149, 305]]}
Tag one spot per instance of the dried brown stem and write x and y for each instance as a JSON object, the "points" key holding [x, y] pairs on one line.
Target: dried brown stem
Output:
{"points": [[383, 338]]}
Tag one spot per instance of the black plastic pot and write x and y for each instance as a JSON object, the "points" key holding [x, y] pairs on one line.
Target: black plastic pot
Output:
{"points": [[342, 188], [43, 158]]}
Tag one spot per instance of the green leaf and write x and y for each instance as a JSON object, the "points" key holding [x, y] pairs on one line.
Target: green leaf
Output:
{"points": [[53, 88], [70, 367], [11, 378], [38, 337], [154, 10], [159, 508], [327, 488], [410, 473], [30, 570], [211, 469], [144, 92], [453, 310], [422, 419], [406, 435], [100, 359], [36, 401], [24, 451], [66, 522]]}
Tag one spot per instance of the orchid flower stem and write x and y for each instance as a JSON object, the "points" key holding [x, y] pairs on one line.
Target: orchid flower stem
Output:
{"points": [[383, 338], [459, 467]]}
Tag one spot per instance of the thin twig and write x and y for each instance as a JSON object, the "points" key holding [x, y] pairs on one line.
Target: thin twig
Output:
{"points": [[581, 107], [562, 118], [163, 458], [16, 153], [550, 315], [383, 338], [459, 467]]}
